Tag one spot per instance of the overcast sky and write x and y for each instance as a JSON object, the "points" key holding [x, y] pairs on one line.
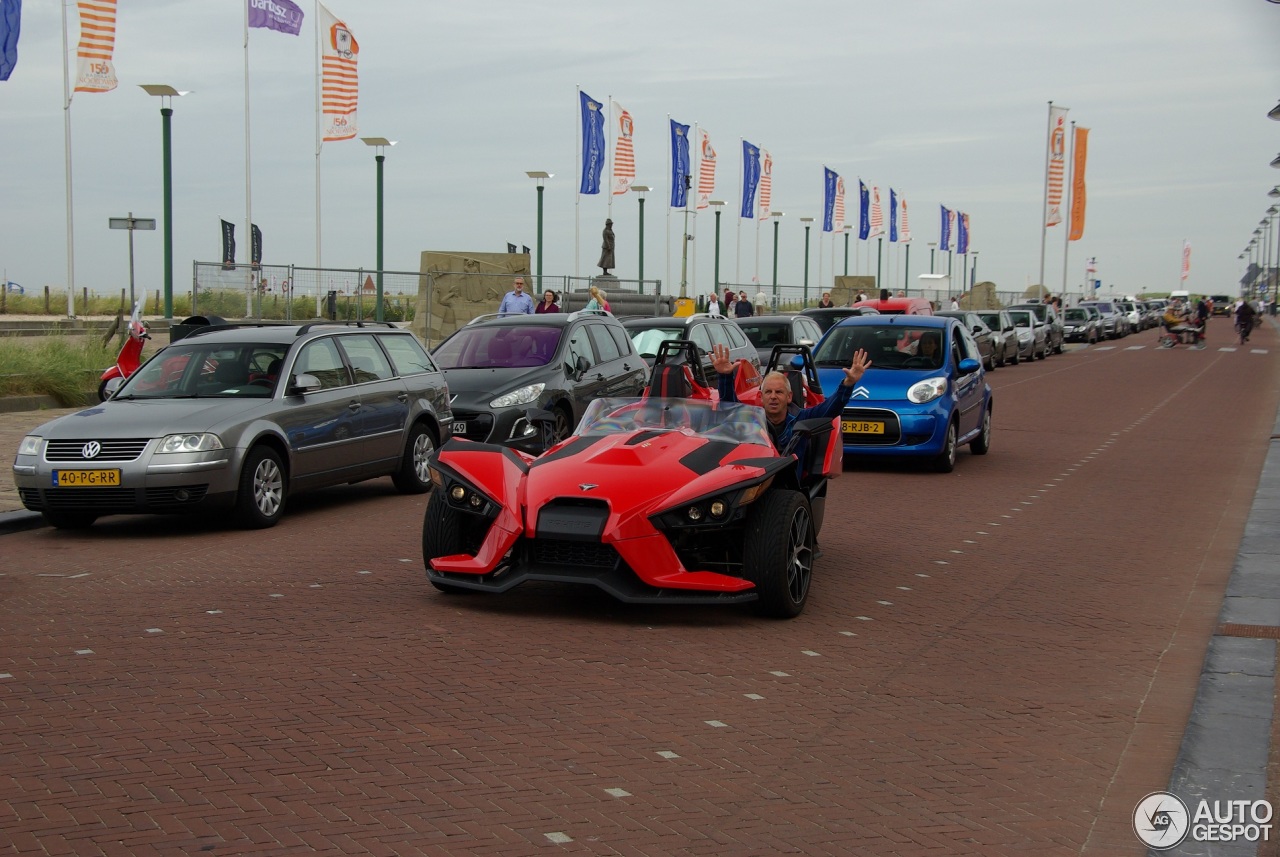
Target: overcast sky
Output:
{"points": [[944, 101]]}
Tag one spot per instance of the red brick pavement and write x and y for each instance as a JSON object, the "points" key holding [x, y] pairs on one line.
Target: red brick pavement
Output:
{"points": [[996, 661]]}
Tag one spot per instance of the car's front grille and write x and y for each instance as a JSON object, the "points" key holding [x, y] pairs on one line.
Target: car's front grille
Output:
{"points": [[108, 450], [30, 498], [105, 500], [175, 497], [90, 498], [478, 425], [892, 426], [573, 553]]}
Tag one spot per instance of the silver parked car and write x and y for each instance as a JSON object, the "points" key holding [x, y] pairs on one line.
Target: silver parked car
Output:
{"points": [[241, 418], [1033, 339]]}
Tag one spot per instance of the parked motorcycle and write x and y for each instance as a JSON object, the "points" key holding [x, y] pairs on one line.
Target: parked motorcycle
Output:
{"points": [[130, 357]]}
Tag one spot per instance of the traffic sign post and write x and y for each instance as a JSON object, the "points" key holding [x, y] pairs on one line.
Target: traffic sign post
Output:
{"points": [[131, 223]]}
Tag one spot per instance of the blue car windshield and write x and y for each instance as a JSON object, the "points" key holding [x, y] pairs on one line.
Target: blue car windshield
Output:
{"points": [[733, 422], [890, 346], [499, 346]]}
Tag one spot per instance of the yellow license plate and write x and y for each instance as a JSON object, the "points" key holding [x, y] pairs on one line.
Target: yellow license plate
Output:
{"points": [[86, 478], [861, 427]]}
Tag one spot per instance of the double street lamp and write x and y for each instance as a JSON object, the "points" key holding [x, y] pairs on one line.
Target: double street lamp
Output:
{"points": [[717, 204], [380, 145], [166, 93], [777, 219], [808, 222], [641, 189], [539, 176]]}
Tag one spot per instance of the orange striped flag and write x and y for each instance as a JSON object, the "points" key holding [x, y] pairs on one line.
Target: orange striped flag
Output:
{"points": [[624, 153], [94, 71], [766, 183], [1080, 149], [1057, 162], [706, 169], [338, 82]]}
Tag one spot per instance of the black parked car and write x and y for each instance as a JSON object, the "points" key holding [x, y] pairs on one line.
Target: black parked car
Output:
{"points": [[827, 316], [1045, 314], [988, 342], [705, 331], [500, 367], [1082, 324], [766, 331]]}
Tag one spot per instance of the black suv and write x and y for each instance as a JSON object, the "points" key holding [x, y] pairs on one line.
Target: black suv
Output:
{"points": [[1045, 314], [499, 367], [703, 330]]}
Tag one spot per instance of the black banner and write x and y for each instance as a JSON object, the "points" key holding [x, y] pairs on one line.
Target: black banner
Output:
{"points": [[255, 247], [228, 246], [511, 248], [524, 250]]}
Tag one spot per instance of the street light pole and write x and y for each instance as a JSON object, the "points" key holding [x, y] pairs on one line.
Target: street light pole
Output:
{"points": [[684, 242], [808, 222], [848, 230], [641, 189], [717, 204], [163, 92], [380, 144], [777, 219], [932, 246], [539, 176]]}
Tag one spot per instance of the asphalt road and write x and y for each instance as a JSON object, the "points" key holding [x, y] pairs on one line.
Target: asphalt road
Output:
{"points": [[1001, 660]]}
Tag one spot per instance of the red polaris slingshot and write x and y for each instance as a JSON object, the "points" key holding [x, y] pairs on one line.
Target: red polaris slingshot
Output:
{"points": [[672, 497]]}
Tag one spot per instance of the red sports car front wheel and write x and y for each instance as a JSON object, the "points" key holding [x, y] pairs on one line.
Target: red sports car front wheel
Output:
{"points": [[778, 553]]}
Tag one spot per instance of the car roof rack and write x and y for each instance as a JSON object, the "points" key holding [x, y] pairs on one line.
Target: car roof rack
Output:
{"points": [[213, 328], [306, 328]]}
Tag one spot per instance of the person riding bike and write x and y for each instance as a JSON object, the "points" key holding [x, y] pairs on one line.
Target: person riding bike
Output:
{"points": [[1245, 316]]}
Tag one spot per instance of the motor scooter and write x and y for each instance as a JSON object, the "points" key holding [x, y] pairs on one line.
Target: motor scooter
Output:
{"points": [[130, 357]]}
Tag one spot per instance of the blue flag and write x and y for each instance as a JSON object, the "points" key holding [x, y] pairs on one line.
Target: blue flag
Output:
{"points": [[944, 240], [962, 233], [829, 179], [893, 215], [592, 143], [10, 25], [750, 178], [864, 205], [680, 170]]}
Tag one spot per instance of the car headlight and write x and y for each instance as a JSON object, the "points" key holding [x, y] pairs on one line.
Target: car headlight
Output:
{"points": [[30, 445], [1025, 336], [523, 396], [927, 390], [199, 442]]}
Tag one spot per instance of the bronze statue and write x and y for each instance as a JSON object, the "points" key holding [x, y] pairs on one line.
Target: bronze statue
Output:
{"points": [[606, 249]]}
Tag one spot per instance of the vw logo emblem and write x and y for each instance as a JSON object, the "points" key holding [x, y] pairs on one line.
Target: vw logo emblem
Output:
{"points": [[91, 449]]}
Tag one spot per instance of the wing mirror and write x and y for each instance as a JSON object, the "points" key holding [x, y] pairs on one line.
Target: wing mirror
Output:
{"points": [[967, 366], [112, 386], [304, 383]]}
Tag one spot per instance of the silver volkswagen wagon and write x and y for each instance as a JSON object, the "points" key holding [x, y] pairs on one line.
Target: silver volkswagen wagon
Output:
{"points": [[240, 417]]}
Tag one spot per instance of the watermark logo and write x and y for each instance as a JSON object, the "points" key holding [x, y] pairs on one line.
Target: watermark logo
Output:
{"points": [[1161, 820]]}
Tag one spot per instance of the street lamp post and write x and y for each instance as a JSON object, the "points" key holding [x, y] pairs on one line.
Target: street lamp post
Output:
{"points": [[848, 230], [163, 92], [777, 219], [717, 204], [973, 273], [641, 189], [380, 145], [933, 245], [808, 222], [131, 223], [539, 176]]}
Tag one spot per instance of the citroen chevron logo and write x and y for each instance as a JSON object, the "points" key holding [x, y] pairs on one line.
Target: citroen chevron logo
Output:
{"points": [[91, 449], [860, 393]]}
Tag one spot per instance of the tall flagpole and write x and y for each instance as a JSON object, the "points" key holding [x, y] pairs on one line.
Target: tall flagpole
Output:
{"points": [[697, 172], [1044, 208], [608, 144], [737, 249], [671, 168], [577, 194], [247, 238], [319, 147], [1066, 239], [66, 121]]}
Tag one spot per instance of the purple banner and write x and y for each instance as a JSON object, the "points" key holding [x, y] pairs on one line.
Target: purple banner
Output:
{"points": [[282, 16]]}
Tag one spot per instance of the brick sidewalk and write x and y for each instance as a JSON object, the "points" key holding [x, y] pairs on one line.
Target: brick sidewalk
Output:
{"points": [[14, 425]]}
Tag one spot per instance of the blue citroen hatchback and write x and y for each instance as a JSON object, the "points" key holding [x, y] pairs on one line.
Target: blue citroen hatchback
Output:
{"points": [[925, 395]]}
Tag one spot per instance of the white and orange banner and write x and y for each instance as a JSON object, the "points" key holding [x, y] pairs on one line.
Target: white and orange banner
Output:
{"points": [[837, 215], [904, 233], [339, 85], [1186, 259], [1057, 165], [877, 218], [94, 70], [706, 169], [624, 152], [1080, 153], [766, 184]]}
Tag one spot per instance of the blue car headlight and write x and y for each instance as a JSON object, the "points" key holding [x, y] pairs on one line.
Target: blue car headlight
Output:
{"points": [[927, 390]]}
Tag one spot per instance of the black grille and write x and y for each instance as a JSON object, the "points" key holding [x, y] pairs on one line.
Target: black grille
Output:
{"points": [[105, 500], [112, 450], [90, 498], [160, 498], [30, 498], [892, 427], [574, 553]]}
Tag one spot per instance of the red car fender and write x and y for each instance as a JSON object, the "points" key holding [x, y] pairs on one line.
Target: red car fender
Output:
{"points": [[833, 457], [654, 562], [501, 477], [723, 478]]}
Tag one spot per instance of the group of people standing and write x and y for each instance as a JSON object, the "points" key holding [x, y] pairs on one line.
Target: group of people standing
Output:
{"points": [[519, 302], [736, 305]]}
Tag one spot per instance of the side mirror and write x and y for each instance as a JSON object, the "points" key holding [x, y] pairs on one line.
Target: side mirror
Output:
{"points": [[968, 366], [303, 384], [112, 385]]}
